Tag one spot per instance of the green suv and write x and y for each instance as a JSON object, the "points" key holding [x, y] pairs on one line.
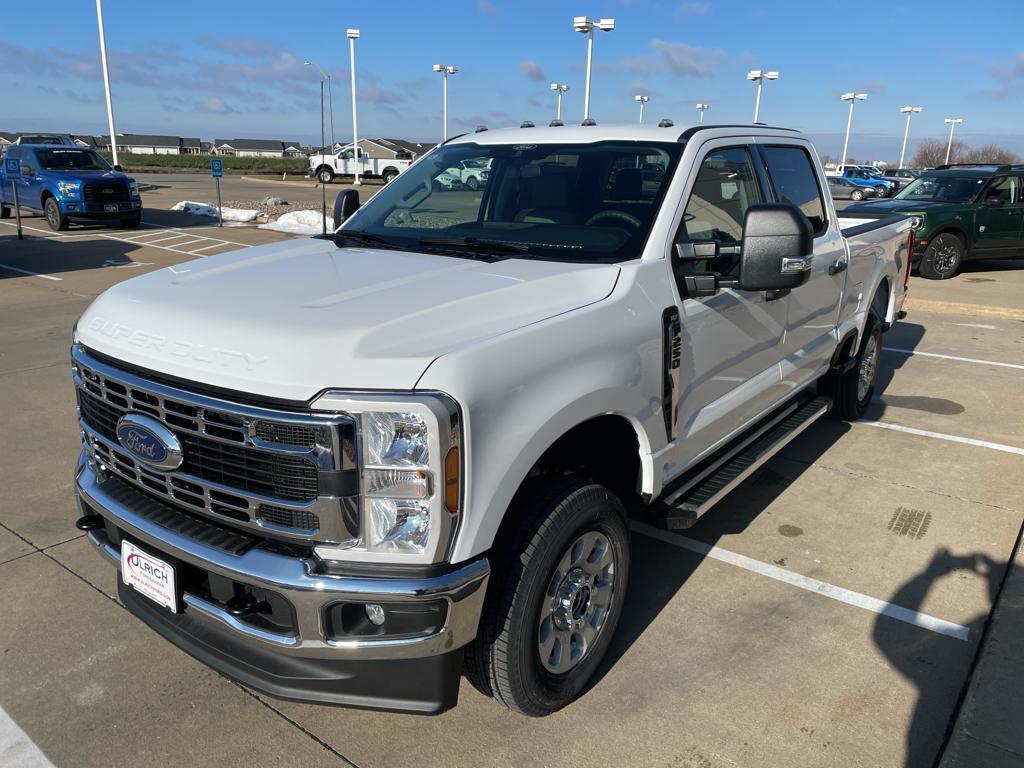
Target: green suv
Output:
{"points": [[963, 212]]}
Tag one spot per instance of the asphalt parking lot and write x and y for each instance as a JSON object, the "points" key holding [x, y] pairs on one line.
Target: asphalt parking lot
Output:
{"points": [[828, 613]]}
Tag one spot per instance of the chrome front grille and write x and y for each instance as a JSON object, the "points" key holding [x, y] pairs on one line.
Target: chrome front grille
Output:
{"points": [[286, 474]]}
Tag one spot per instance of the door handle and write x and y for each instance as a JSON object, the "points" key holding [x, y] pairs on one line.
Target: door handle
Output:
{"points": [[837, 267]]}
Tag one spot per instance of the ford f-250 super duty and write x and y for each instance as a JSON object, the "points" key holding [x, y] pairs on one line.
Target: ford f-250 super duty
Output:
{"points": [[344, 469]]}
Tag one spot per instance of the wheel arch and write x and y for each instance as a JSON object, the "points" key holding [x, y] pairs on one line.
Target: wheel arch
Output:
{"points": [[44, 196]]}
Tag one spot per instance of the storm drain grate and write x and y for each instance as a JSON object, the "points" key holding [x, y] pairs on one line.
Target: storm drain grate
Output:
{"points": [[910, 522]]}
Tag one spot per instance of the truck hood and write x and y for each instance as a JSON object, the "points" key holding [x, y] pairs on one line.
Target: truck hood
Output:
{"points": [[289, 320], [86, 176]]}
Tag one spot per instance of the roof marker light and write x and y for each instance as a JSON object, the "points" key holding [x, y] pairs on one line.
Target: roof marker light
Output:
{"points": [[666, 123]]}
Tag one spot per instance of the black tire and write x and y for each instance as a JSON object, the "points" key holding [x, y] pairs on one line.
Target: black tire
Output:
{"points": [[5, 211], [325, 175], [856, 195], [551, 516], [942, 258], [849, 398], [56, 220], [473, 183], [132, 221], [389, 176]]}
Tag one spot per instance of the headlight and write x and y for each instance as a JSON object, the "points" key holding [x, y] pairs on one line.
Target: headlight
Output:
{"points": [[916, 219], [410, 475], [69, 188], [133, 188]]}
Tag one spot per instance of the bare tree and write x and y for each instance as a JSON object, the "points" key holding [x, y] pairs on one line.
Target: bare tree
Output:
{"points": [[932, 152], [991, 153]]}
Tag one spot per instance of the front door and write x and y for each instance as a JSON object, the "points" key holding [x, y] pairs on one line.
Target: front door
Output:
{"points": [[730, 343], [999, 219], [814, 306]]}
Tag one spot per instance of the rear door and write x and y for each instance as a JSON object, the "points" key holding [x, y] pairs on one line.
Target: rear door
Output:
{"points": [[999, 219], [813, 307], [730, 343]]}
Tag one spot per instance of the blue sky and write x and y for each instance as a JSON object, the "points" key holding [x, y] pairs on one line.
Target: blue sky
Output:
{"points": [[227, 69]]}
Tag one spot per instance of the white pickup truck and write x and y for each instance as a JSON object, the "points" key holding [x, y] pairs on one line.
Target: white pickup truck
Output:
{"points": [[344, 469], [325, 167]]}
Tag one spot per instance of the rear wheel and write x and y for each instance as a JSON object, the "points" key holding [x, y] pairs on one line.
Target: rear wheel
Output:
{"points": [[942, 257], [56, 220], [557, 586], [325, 175], [389, 175], [851, 392]]}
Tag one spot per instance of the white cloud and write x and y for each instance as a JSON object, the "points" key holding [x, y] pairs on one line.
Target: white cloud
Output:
{"points": [[532, 70]]}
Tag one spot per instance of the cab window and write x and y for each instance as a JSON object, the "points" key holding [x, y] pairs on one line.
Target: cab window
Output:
{"points": [[794, 181], [725, 187]]}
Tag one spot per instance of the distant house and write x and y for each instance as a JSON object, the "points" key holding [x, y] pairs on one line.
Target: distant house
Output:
{"points": [[249, 147], [143, 144], [6, 139], [386, 149], [86, 141], [293, 149], [191, 146], [205, 147], [414, 148]]}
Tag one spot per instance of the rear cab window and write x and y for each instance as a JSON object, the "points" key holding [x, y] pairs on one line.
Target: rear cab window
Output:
{"points": [[793, 180]]}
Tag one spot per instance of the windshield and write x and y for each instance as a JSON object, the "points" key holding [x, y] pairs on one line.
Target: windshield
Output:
{"points": [[945, 189], [71, 160], [570, 202]]}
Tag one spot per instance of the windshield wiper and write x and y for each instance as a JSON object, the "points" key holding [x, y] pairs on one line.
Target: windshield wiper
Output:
{"points": [[476, 246], [359, 236]]}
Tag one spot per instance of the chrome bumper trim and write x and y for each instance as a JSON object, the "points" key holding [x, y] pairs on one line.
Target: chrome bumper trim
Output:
{"points": [[309, 593]]}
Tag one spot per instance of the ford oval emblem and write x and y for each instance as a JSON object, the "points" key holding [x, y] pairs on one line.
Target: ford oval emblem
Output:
{"points": [[149, 441]]}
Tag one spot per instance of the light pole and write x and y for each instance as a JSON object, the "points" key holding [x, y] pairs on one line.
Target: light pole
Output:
{"points": [[330, 94], [953, 123], [353, 35], [585, 26], [642, 100], [446, 69], [702, 107], [559, 88], [106, 79], [853, 98], [908, 111], [759, 76]]}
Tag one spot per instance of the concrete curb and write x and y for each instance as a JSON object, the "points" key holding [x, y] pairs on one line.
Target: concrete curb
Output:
{"points": [[280, 181], [988, 729]]}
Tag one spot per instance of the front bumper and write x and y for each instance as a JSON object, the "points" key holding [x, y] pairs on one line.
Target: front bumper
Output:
{"points": [[414, 673], [92, 210]]}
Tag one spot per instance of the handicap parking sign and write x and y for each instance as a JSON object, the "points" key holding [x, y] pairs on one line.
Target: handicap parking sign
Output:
{"points": [[12, 167], [216, 168]]}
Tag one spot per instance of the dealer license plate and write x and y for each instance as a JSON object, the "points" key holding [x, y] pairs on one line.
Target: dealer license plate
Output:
{"points": [[149, 575], [110, 207]]}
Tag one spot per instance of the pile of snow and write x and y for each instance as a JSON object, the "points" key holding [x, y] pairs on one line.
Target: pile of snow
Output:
{"points": [[300, 223], [204, 209]]}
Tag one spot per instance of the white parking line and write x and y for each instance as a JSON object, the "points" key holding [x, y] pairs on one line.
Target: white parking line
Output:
{"points": [[159, 239], [32, 274], [941, 436], [208, 247], [974, 360], [16, 748], [868, 603]]}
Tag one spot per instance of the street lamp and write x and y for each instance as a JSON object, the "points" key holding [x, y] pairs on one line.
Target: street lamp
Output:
{"points": [[446, 69], [585, 26], [953, 123], [759, 76], [559, 89], [703, 108], [353, 35], [908, 111], [106, 79], [330, 94], [853, 98], [642, 100]]}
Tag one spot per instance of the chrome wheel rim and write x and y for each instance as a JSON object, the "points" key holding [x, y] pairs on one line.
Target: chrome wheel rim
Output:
{"points": [[577, 603], [52, 216], [325, 177], [945, 258], [868, 369]]}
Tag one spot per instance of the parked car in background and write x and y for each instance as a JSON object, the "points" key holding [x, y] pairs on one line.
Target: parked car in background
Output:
{"points": [[844, 189], [70, 183], [865, 178], [902, 174], [62, 139], [349, 469], [471, 174], [961, 212], [325, 167]]}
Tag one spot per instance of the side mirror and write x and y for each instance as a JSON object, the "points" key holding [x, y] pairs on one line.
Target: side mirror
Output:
{"points": [[345, 204], [118, 168], [30, 171], [778, 248]]}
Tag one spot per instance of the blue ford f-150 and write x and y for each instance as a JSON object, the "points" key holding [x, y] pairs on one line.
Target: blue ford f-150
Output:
{"points": [[68, 183]]}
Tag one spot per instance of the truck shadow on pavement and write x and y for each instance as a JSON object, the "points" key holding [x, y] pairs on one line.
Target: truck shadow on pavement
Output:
{"points": [[52, 257], [939, 666]]}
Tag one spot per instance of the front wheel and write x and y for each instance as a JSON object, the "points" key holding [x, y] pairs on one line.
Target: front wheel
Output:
{"points": [[856, 195], [56, 220], [132, 221], [325, 175], [558, 582], [473, 183], [851, 392], [942, 257]]}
